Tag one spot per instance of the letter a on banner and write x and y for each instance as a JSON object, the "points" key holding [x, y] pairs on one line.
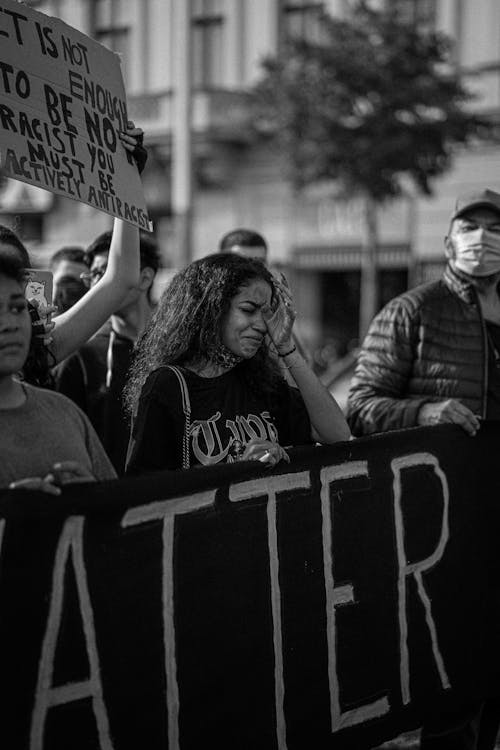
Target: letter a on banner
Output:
{"points": [[47, 695]]}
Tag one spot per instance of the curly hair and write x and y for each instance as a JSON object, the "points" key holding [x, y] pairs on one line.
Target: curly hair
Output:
{"points": [[187, 324]]}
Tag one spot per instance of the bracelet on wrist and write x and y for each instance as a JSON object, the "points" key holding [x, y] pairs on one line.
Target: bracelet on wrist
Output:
{"points": [[285, 354]]}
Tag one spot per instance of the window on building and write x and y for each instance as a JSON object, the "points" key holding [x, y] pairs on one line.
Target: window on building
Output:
{"points": [[340, 298], [28, 226], [421, 12], [110, 27], [208, 43], [303, 20]]}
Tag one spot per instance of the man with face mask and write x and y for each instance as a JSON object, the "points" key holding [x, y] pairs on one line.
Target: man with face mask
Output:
{"points": [[432, 355]]}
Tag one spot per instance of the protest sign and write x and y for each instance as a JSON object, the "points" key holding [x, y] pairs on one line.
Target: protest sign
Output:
{"points": [[331, 603], [62, 105]]}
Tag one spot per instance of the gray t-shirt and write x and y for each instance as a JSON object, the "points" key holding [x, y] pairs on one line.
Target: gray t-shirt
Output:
{"points": [[46, 429]]}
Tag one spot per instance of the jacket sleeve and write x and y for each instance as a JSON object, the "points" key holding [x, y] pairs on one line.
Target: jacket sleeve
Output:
{"points": [[378, 399]]}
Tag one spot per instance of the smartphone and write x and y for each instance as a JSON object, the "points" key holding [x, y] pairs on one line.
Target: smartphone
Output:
{"points": [[38, 290]]}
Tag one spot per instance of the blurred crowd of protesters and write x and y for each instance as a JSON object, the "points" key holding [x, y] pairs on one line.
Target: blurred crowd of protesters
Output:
{"points": [[215, 372]]}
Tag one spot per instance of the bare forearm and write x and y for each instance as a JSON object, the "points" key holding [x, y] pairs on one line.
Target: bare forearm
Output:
{"points": [[123, 262], [327, 420], [75, 326]]}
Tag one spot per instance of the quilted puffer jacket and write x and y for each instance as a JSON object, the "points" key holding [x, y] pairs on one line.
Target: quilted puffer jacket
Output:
{"points": [[428, 344]]}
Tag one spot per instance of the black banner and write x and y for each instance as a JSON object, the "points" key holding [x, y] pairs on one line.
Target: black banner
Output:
{"points": [[334, 602]]}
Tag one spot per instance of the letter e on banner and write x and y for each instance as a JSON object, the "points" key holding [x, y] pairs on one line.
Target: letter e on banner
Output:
{"points": [[338, 596]]}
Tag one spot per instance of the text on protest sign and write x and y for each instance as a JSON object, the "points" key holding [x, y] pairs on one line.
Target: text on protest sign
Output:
{"points": [[62, 105]]}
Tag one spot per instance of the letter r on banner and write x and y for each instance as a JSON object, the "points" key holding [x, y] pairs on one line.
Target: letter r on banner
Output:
{"points": [[417, 568]]}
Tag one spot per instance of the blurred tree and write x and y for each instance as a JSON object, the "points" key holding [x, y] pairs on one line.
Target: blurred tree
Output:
{"points": [[374, 102]]}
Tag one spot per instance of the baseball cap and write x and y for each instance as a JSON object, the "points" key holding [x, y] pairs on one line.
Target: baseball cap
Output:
{"points": [[480, 199]]}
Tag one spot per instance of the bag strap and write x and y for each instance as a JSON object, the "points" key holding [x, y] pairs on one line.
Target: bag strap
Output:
{"points": [[186, 407]]}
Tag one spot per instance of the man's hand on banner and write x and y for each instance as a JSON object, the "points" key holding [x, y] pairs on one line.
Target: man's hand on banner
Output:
{"points": [[133, 141], [449, 410]]}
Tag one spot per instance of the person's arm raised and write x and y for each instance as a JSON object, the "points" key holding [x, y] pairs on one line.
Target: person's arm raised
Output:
{"points": [[75, 326], [328, 424]]}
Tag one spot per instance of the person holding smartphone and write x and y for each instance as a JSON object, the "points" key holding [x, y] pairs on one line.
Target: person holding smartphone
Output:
{"points": [[47, 441], [204, 387]]}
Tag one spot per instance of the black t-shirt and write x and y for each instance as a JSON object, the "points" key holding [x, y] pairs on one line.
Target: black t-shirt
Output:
{"points": [[493, 403], [223, 410]]}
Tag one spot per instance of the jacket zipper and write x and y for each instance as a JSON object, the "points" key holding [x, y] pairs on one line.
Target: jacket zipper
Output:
{"points": [[485, 356]]}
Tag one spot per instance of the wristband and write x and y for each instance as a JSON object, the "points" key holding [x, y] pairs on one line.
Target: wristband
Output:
{"points": [[292, 350]]}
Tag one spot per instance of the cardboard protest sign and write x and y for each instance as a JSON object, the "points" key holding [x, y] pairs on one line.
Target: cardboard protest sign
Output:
{"points": [[331, 603], [62, 104]]}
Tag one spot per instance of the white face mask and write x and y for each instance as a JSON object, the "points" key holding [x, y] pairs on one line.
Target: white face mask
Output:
{"points": [[477, 252]]}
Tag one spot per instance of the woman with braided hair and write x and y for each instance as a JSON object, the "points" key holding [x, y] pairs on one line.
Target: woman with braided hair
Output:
{"points": [[203, 387]]}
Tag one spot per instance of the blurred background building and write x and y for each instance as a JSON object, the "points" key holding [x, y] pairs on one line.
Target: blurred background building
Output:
{"points": [[236, 178]]}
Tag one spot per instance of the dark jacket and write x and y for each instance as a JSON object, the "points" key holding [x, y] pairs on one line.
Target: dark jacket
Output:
{"points": [[428, 344]]}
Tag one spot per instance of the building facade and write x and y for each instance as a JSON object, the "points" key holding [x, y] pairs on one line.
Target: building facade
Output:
{"points": [[237, 180]]}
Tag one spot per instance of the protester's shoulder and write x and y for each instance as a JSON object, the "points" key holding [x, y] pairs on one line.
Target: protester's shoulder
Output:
{"points": [[413, 300], [162, 383], [53, 402], [161, 375]]}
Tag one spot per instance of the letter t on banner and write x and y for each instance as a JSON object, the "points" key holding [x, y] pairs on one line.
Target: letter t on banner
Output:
{"points": [[270, 486], [166, 511]]}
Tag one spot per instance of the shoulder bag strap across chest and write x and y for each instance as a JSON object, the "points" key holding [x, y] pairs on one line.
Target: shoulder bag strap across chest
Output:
{"points": [[186, 407]]}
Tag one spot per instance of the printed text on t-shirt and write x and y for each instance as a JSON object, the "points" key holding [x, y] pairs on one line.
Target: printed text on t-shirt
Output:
{"points": [[208, 442]]}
